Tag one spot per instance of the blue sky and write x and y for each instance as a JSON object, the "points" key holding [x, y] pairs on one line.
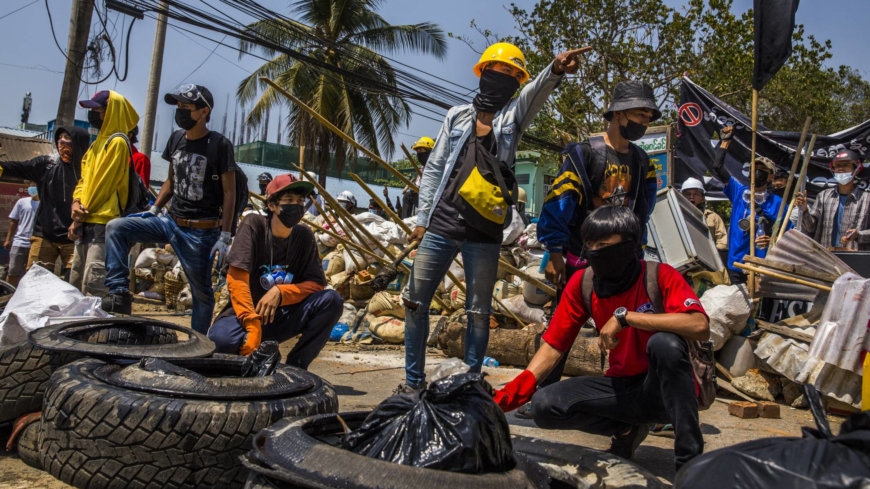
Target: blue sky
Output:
{"points": [[27, 43]]}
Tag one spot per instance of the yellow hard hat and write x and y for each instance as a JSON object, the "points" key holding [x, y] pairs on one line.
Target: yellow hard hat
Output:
{"points": [[424, 143], [521, 196], [506, 53]]}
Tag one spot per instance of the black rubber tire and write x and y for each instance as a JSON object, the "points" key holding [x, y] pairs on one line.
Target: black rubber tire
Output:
{"points": [[65, 338], [24, 368], [290, 451], [6, 288], [96, 435], [28, 445]]}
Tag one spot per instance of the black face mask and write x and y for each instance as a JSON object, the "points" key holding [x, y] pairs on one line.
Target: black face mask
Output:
{"points": [[94, 119], [616, 268], [496, 90], [291, 214], [263, 188], [761, 177], [779, 191], [182, 118], [423, 157], [632, 130]]}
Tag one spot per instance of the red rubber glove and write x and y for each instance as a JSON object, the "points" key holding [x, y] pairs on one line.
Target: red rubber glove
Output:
{"points": [[516, 392]]}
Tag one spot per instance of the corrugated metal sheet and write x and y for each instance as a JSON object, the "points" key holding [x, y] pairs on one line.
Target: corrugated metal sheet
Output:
{"points": [[796, 248], [14, 148], [20, 133]]}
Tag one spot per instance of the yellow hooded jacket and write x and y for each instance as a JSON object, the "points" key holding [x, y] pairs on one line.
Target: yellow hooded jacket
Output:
{"points": [[102, 188]]}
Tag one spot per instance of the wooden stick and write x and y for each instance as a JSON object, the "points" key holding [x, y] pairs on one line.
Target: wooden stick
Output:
{"points": [[792, 269], [408, 155], [794, 167], [349, 252], [784, 331], [340, 134], [528, 278], [407, 230], [752, 190], [801, 179], [345, 242], [781, 276]]}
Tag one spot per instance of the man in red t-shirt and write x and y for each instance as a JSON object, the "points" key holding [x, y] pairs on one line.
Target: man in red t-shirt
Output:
{"points": [[650, 379], [140, 162]]}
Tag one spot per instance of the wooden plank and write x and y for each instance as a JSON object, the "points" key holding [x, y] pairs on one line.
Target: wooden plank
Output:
{"points": [[781, 276], [724, 372], [793, 269], [785, 331], [724, 384]]}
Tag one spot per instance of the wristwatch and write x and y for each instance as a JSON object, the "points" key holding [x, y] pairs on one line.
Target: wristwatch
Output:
{"points": [[619, 314]]}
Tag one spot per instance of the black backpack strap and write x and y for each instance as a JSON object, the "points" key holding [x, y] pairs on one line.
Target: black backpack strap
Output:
{"points": [[581, 171], [586, 289], [175, 140], [214, 146], [126, 140], [651, 282]]}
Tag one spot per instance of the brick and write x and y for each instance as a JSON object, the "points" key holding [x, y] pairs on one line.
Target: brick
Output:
{"points": [[768, 410], [743, 409]]}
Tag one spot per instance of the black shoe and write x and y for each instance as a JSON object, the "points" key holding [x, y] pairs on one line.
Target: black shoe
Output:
{"points": [[524, 411], [625, 445], [118, 303], [407, 389]]}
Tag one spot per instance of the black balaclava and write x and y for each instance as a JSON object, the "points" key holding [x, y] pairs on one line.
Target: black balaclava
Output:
{"points": [[423, 157], [94, 119], [496, 90], [616, 268]]}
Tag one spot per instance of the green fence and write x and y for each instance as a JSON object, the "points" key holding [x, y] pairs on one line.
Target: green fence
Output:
{"points": [[281, 156]]}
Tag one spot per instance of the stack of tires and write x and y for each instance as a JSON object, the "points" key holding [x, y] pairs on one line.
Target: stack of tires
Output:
{"points": [[142, 403]]}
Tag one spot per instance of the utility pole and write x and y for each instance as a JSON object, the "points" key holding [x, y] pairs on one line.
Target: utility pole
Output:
{"points": [[154, 80], [76, 46]]}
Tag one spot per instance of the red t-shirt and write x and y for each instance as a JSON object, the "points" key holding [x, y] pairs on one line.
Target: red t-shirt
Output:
{"points": [[629, 358], [142, 165]]}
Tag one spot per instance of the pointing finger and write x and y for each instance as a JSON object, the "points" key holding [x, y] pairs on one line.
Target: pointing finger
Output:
{"points": [[578, 51]]}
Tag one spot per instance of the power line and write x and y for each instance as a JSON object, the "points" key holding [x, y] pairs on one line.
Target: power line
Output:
{"points": [[18, 9], [200, 65], [34, 67]]}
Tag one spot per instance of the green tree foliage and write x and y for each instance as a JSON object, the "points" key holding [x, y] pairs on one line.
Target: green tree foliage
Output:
{"points": [[371, 117], [647, 40]]}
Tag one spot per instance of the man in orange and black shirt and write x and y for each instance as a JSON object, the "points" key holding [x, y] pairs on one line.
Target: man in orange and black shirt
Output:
{"points": [[276, 281]]}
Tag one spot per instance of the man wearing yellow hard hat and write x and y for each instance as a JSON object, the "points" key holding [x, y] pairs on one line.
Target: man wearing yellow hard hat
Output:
{"points": [[467, 194], [423, 147]]}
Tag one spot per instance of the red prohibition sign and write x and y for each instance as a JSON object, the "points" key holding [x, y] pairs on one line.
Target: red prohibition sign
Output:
{"points": [[690, 114]]}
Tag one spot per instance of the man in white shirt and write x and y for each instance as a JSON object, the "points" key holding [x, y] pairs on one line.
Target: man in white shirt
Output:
{"points": [[20, 230]]}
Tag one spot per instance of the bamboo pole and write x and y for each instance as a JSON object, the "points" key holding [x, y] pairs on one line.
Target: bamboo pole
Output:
{"points": [[794, 167], [322, 212], [526, 277], [801, 179], [345, 242], [407, 230], [752, 191], [408, 155], [377, 159], [781, 276]]}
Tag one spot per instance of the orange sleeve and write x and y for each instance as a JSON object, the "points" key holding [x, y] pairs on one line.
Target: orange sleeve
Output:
{"points": [[243, 304], [296, 293]]}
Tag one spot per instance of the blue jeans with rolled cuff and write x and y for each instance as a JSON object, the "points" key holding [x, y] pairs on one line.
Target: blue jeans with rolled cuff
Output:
{"points": [[192, 246], [434, 256]]}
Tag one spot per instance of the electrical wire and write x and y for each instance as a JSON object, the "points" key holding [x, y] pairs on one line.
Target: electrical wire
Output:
{"points": [[18, 9]]}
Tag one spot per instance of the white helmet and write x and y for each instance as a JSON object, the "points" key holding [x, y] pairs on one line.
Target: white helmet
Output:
{"points": [[347, 196], [693, 183]]}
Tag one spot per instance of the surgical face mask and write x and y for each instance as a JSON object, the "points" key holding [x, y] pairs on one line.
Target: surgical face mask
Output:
{"points": [[183, 119], [32, 191], [843, 178], [291, 214], [94, 119], [632, 130]]}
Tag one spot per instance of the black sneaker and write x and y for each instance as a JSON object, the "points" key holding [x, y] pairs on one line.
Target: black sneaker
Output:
{"points": [[118, 303], [625, 445], [524, 411]]}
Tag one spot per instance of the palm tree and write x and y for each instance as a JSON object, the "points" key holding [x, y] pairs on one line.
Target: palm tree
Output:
{"points": [[353, 37]]}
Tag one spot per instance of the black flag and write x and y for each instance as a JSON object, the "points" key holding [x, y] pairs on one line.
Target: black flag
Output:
{"points": [[774, 24]]}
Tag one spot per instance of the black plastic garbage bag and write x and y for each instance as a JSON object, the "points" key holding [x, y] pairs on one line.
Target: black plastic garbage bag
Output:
{"points": [[262, 361], [818, 460], [453, 425]]}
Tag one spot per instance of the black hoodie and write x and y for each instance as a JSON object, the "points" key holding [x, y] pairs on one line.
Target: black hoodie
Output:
{"points": [[55, 182]]}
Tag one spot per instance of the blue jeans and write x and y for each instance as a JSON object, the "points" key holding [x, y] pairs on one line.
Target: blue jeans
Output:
{"points": [[434, 256], [192, 246], [313, 318]]}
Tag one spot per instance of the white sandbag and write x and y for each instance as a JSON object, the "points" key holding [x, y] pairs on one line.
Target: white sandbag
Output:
{"points": [[166, 258], [504, 290], [457, 297], [527, 312], [531, 233], [146, 258], [531, 293], [389, 329], [728, 308], [40, 295], [536, 256], [384, 304], [333, 263], [185, 299], [327, 240], [514, 230]]}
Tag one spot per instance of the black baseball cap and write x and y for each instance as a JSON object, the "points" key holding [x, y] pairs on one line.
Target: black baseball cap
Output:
{"points": [[190, 94], [100, 99]]}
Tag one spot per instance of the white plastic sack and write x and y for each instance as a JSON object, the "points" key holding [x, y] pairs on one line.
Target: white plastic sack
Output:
{"points": [[40, 295], [146, 258], [532, 237], [727, 306], [524, 311], [514, 230]]}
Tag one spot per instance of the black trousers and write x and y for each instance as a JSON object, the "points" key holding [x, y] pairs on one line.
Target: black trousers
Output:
{"points": [[611, 405]]}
